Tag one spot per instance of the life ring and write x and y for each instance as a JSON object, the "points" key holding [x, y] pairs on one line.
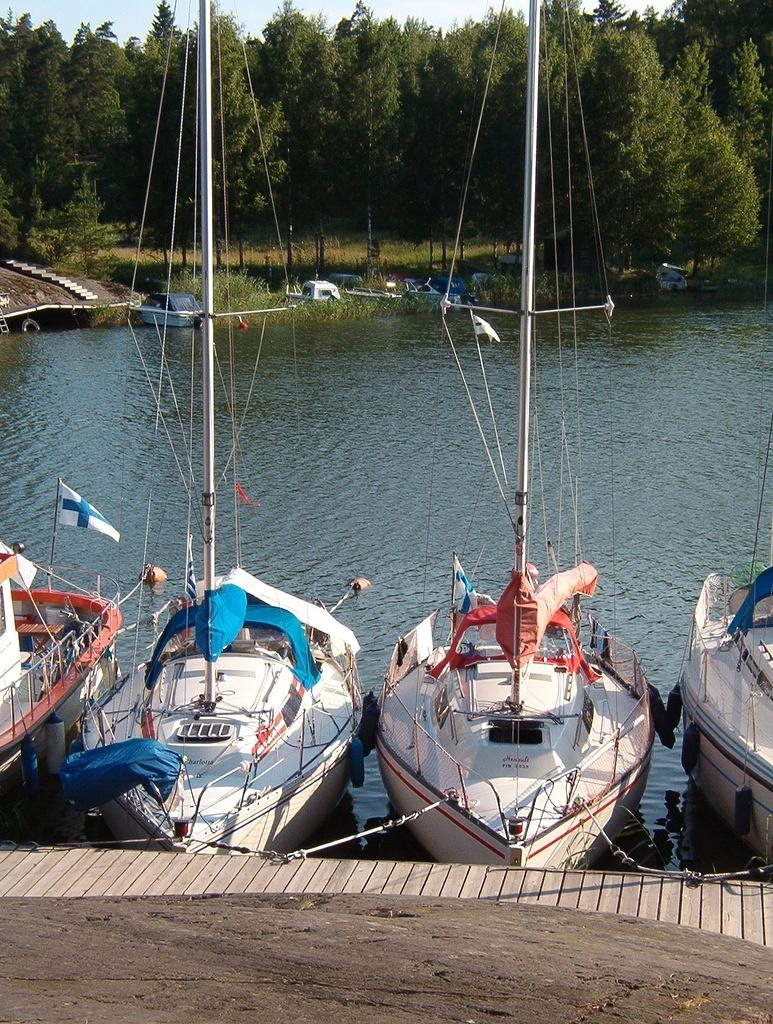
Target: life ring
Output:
{"points": [[30, 325]]}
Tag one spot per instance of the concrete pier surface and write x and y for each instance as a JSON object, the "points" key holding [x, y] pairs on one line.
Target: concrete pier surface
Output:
{"points": [[363, 958]]}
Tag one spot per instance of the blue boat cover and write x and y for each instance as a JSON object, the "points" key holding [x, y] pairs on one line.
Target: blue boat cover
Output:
{"points": [[91, 778], [180, 621], [305, 668], [228, 621], [219, 618], [759, 590]]}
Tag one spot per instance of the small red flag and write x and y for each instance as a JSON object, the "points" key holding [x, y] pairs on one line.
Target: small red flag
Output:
{"points": [[243, 495]]}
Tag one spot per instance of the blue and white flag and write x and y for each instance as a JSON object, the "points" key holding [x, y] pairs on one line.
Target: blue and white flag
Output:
{"points": [[72, 510], [464, 592], [190, 572]]}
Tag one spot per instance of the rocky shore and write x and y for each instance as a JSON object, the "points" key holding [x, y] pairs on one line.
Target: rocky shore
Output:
{"points": [[352, 959], [26, 294]]}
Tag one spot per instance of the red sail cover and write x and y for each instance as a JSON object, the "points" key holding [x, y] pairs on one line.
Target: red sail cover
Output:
{"points": [[524, 613]]}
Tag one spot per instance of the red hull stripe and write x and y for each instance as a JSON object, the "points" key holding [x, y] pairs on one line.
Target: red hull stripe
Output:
{"points": [[440, 810], [477, 838]]}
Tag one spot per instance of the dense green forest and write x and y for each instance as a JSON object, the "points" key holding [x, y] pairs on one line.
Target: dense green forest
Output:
{"points": [[370, 122]]}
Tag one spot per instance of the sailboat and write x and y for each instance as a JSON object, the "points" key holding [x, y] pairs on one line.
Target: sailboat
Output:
{"points": [[726, 691], [519, 744], [57, 647], [236, 732]]}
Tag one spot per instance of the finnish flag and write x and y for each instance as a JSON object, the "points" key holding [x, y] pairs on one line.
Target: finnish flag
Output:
{"points": [[72, 510], [463, 592], [190, 572]]}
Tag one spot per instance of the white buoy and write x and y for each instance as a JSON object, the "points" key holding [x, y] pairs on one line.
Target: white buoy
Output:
{"points": [[55, 752]]}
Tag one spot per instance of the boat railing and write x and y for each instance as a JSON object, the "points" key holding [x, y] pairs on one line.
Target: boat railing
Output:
{"points": [[80, 579], [409, 652], [432, 761], [593, 777], [617, 659], [32, 695]]}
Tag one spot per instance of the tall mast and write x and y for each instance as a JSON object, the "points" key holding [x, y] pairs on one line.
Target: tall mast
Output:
{"points": [[527, 310], [207, 296]]}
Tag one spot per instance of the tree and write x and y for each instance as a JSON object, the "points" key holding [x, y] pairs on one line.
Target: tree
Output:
{"points": [[748, 109], [295, 67], [73, 231], [36, 154], [241, 145], [95, 73], [369, 97], [163, 23], [608, 13], [635, 132], [9, 226], [722, 200], [692, 76]]}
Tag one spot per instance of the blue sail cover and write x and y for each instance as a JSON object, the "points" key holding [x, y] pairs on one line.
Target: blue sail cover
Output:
{"points": [[219, 618], [91, 778], [305, 669], [180, 621], [760, 589], [229, 620]]}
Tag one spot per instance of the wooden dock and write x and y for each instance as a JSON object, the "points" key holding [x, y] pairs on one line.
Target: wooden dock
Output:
{"points": [[741, 909]]}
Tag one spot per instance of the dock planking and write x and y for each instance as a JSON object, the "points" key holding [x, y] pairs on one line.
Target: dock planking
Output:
{"points": [[742, 909]]}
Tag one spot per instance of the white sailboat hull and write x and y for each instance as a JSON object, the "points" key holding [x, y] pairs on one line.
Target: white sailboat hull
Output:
{"points": [[718, 774], [547, 783], [280, 823], [450, 835], [727, 694]]}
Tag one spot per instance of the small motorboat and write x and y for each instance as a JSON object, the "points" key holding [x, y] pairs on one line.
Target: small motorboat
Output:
{"points": [[175, 309]]}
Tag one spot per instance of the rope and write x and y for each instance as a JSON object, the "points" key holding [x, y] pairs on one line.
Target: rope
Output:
{"points": [[173, 228], [490, 406], [153, 154], [264, 157], [592, 192], [759, 503], [478, 423], [387, 826], [693, 878], [164, 422], [468, 176]]}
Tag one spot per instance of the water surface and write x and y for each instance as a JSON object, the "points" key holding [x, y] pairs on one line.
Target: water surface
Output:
{"points": [[358, 447]]}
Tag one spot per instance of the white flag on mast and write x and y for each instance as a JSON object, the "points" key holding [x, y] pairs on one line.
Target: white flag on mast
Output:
{"points": [[483, 327]]}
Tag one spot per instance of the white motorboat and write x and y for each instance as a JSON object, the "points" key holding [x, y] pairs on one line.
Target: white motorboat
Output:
{"points": [[520, 745], [237, 731], [727, 696]]}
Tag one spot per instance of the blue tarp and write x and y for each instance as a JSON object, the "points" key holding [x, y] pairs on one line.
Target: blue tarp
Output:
{"points": [[254, 613], [305, 669], [219, 618], [760, 589], [91, 778], [180, 620]]}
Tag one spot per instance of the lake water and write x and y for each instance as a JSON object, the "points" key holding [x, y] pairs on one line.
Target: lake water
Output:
{"points": [[358, 447]]}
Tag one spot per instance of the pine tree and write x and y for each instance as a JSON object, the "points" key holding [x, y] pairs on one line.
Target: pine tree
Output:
{"points": [[747, 111], [609, 13], [722, 201]]}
